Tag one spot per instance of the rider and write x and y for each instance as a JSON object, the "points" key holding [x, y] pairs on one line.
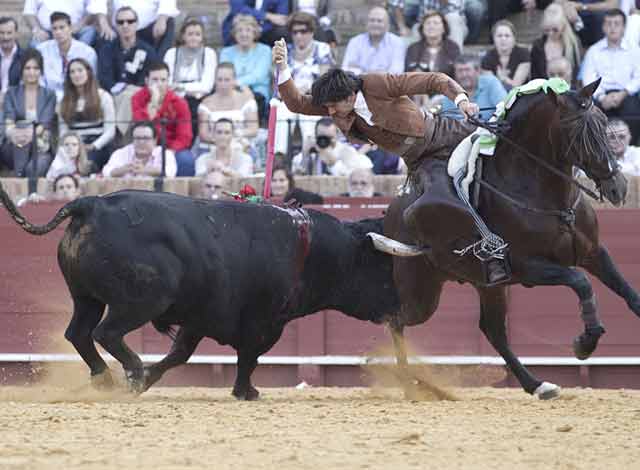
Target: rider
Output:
{"points": [[375, 107]]}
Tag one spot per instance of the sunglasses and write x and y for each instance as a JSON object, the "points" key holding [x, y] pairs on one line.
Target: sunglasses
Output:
{"points": [[299, 31], [121, 22]]}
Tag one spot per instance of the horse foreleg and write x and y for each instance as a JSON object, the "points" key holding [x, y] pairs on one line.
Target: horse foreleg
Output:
{"points": [[602, 266], [544, 273], [493, 308]]}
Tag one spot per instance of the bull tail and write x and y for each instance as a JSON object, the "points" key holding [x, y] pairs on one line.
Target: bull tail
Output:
{"points": [[79, 206]]}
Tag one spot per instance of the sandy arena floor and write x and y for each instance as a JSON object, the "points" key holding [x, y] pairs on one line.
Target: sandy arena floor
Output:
{"points": [[318, 428]]}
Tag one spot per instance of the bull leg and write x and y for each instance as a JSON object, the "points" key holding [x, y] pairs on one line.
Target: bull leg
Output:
{"points": [[183, 347], [493, 308], [87, 313], [544, 273], [110, 334], [603, 267], [247, 363]]}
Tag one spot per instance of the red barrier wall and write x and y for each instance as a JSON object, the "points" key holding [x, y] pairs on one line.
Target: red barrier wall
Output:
{"points": [[35, 308]]}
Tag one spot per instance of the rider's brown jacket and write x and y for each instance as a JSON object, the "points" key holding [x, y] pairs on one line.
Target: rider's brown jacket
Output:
{"points": [[397, 121]]}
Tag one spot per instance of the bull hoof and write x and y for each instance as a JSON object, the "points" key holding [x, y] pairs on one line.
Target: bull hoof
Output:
{"points": [[102, 381], [547, 391], [249, 395], [586, 343]]}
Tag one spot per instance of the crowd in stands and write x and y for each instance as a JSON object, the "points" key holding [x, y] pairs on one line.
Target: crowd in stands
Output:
{"points": [[120, 88]]}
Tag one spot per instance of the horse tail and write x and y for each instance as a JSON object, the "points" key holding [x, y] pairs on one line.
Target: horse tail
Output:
{"points": [[73, 208]]}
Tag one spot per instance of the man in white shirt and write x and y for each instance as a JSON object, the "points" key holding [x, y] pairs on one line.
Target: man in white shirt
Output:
{"points": [[156, 24], [618, 64], [141, 158], [37, 15], [377, 50], [227, 156], [328, 156], [628, 156], [59, 51]]}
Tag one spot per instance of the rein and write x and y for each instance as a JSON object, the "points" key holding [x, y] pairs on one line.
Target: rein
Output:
{"points": [[495, 130]]}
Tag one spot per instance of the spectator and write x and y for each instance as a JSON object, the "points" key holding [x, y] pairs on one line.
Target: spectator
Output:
{"points": [[618, 65], [141, 158], [155, 25], [320, 10], [561, 68], [328, 156], [192, 66], [59, 51], [632, 30], [558, 40], [123, 61], [37, 15], [484, 89], [66, 187], [251, 60], [361, 184], [226, 156], [23, 105], [283, 186], [506, 60], [619, 137], [10, 54], [434, 52], [155, 102], [88, 110], [377, 50], [71, 158], [214, 185], [308, 59], [271, 14], [452, 10], [587, 16], [228, 101]]}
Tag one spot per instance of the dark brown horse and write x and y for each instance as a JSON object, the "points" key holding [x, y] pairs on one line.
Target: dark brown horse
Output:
{"points": [[549, 224]]}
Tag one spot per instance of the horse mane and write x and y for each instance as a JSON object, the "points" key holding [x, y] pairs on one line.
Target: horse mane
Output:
{"points": [[585, 127]]}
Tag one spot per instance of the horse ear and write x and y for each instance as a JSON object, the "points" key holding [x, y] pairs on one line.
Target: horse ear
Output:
{"points": [[587, 91], [552, 94]]}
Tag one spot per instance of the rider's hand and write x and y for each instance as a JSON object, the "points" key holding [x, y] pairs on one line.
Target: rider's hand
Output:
{"points": [[279, 54], [468, 108]]}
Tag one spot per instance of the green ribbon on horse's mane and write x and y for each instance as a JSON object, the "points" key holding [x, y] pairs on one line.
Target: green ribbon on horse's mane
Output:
{"points": [[555, 84]]}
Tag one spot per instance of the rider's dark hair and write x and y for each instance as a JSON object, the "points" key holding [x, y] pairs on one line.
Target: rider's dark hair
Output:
{"points": [[334, 85]]}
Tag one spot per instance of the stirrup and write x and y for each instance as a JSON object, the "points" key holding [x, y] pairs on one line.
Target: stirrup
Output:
{"points": [[486, 273]]}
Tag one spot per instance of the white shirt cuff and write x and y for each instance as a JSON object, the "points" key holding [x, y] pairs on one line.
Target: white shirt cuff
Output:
{"points": [[283, 76], [461, 97]]}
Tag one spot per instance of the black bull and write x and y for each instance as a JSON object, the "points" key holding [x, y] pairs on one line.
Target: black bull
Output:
{"points": [[234, 272]]}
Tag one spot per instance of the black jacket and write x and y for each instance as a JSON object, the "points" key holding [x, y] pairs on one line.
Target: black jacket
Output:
{"points": [[14, 68]]}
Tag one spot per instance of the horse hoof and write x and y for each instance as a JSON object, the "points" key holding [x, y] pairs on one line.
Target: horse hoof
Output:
{"points": [[250, 395], [136, 382], [586, 343], [547, 391]]}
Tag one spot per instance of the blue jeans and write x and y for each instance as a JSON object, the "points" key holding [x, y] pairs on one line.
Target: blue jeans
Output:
{"points": [[475, 11], [186, 163]]}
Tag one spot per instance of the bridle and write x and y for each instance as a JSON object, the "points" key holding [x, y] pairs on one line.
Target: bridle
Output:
{"points": [[500, 129]]}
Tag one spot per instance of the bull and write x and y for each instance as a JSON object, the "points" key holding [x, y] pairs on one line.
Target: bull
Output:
{"points": [[231, 271]]}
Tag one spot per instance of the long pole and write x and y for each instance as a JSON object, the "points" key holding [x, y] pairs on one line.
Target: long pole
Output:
{"points": [[271, 138]]}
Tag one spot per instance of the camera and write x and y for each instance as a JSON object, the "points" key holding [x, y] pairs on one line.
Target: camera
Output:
{"points": [[323, 141]]}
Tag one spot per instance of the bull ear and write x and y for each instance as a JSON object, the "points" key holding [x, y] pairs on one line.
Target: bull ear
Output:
{"points": [[587, 91]]}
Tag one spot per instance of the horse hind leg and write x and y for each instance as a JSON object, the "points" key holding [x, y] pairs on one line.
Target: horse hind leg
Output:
{"points": [[493, 307], [602, 266], [545, 273]]}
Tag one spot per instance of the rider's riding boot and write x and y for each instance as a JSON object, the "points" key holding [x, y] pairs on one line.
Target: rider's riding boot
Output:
{"points": [[497, 271]]}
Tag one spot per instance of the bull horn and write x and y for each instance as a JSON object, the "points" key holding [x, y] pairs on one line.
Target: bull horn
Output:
{"points": [[393, 247]]}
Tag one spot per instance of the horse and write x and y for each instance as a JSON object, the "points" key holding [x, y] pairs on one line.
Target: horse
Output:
{"points": [[528, 197]]}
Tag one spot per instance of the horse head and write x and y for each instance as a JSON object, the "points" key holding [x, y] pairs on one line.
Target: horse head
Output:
{"points": [[580, 138]]}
